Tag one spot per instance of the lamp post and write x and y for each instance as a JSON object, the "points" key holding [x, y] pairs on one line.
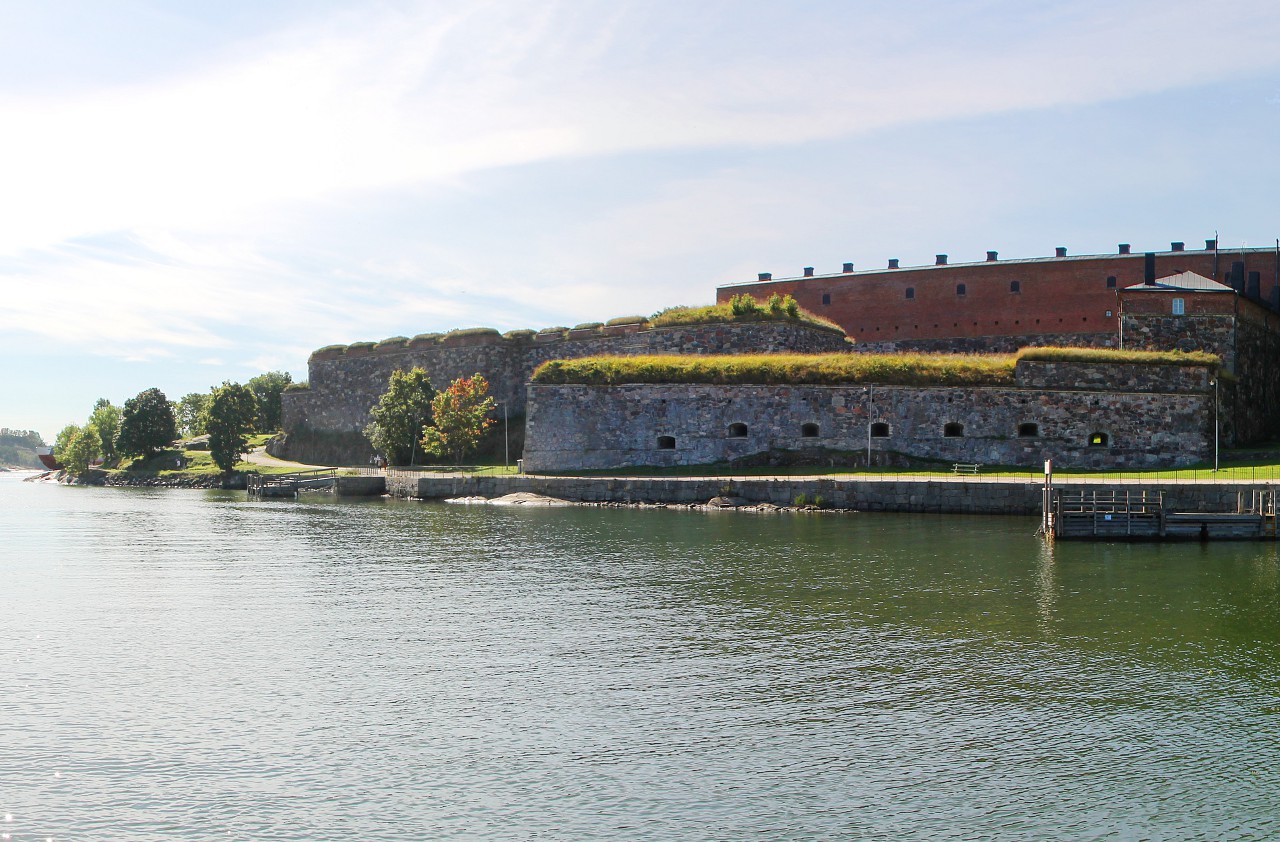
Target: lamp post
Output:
{"points": [[1214, 383], [871, 404]]}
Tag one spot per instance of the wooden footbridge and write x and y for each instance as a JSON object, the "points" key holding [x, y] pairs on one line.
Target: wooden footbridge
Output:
{"points": [[1142, 515], [288, 485]]}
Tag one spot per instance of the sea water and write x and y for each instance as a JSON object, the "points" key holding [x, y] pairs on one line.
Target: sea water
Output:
{"points": [[190, 665]]}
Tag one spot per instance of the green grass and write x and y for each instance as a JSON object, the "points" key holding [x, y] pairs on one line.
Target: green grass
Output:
{"points": [[782, 369], [1109, 355], [743, 308]]}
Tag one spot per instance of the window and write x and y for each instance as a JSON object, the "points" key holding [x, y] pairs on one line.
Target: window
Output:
{"points": [[1179, 306], [809, 431], [1111, 282], [737, 430], [1015, 286], [1028, 430], [1108, 314], [666, 442], [879, 430], [1099, 439], [826, 298], [911, 292], [960, 290], [953, 430]]}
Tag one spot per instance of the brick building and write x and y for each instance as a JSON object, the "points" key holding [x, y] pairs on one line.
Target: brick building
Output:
{"points": [[997, 305]]}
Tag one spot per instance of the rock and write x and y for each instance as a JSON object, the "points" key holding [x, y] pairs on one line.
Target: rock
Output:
{"points": [[726, 502]]}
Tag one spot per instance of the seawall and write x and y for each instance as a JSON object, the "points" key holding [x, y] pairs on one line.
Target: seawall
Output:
{"points": [[943, 495]]}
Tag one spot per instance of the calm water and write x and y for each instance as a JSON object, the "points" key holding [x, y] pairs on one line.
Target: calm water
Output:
{"points": [[189, 665]]}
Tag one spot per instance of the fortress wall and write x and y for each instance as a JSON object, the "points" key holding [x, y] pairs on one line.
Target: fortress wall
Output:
{"points": [[988, 344], [589, 427], [1119, 377], [344, 387]]}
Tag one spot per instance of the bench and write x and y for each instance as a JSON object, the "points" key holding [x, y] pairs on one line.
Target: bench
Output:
{"points": [[966, 468]]}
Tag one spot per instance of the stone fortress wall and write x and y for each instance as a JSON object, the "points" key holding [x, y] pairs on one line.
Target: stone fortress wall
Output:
{"points": [[1146, 415]]}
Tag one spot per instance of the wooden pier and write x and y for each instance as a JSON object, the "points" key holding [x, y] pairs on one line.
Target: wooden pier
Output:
{"points": [[288, 485], [1142, 515]]}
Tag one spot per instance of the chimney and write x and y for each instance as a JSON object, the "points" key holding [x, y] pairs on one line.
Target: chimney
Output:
{"points": [[808, 271], [1124, 248], [939, 260], [1177, 246], [992, 256], [765, 276], [1149, 269], [1061, 251], [848, 267], [1210, 245], [893, 263]]}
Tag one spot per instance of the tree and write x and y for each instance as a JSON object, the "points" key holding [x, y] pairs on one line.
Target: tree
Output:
{"points": [[190, 412], [76, 448], [147, 424], [400, 415], [229, 420], [461, 415], [267, 388], [105, 421]]}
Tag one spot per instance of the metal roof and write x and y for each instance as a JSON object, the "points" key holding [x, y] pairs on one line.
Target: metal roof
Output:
{"points": [[1184, 282]]}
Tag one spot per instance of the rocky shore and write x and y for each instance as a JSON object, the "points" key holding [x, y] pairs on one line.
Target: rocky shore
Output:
{"points": [[127, 480], [525, 498]]}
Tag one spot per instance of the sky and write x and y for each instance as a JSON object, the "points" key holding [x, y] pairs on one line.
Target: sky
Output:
{"points": [[194, 193]]}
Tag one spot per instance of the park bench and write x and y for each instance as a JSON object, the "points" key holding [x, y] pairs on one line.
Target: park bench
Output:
{"points": [[966, 468]]}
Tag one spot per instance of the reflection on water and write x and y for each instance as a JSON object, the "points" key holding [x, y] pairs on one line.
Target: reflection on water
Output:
{"points": [[179, 665]]}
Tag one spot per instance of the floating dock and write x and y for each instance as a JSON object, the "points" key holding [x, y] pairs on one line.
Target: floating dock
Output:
{"points": [[1142, 515], [288, 485]]}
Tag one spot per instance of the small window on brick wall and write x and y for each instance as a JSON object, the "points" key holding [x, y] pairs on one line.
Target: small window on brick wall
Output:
{"points": [[666, 442], [737, 430], [1028, 430], [809, 431], [1179, 306], [1111, 282], [826, 298], [879, 430], [960, 290], [911, 292], [953, 430], [1099, 440], [1015, 286]]}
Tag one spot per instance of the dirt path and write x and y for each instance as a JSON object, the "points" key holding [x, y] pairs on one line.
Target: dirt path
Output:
{"points": [[259, 456]]}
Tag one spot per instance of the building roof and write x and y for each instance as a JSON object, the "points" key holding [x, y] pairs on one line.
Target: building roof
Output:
{"points": [[1182, 282]]}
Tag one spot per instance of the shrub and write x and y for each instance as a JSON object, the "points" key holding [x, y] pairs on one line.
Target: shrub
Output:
{"points": [[297, 387], [782, 369], [800, 500]]}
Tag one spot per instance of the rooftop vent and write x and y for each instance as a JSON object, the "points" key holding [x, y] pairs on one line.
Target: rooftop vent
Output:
{"points": [[1124, 248], [1060, 251], [1177, 246], [808, 271], [992, 256], [848, 267], [893, 263], [939, 260], [765, 276], [1211, 245]]}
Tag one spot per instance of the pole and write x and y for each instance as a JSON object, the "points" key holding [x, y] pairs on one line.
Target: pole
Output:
{"points": [[506, 439], [1215, 424]]}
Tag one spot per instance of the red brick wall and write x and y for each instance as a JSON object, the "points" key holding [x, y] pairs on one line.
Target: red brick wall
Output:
{"points": [[1057, 295]]}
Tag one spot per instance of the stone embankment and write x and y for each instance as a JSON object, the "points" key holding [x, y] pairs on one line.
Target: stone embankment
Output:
{"points": [[103, 478]]}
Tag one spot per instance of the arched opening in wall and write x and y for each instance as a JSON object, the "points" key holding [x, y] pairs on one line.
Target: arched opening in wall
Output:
{"points": [[666, 442], [1099, 440], [953, 430], [879, 430], [809, 431], [911, 292], [1015, 286], [1028, 430], [737, 430]]}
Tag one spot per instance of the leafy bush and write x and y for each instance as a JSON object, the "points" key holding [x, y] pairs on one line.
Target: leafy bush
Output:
{"points": [[782, 369], [742, 308], [626, 320], [1110, 355]]}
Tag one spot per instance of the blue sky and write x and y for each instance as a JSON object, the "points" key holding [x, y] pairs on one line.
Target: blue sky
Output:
{"points": [[191, 195]]}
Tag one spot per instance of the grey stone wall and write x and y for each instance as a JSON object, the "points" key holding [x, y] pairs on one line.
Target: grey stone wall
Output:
{"points": [[343, 388], [988, 344], [592, 427], [1122, 377]]}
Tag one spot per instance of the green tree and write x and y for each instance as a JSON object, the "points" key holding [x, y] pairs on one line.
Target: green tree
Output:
{"points": [[105, 421], [190, 412], [76, 448], [461, 415], [267, 388], [400, 415], [229, 420], [147, 425]]}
